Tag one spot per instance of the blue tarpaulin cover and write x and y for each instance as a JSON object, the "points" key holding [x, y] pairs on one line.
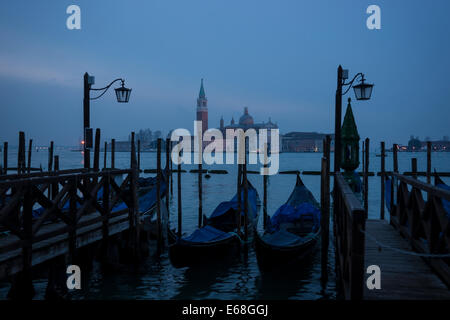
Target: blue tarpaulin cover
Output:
{"points": [[207, 234], [287, 213], [283, 238], [225, 206]]}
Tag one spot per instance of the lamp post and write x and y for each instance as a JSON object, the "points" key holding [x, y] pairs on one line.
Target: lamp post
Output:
{"points": [[363, 91], [122, 95]]}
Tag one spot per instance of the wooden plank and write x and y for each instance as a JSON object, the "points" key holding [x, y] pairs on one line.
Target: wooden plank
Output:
{"points": [[403, 276]]}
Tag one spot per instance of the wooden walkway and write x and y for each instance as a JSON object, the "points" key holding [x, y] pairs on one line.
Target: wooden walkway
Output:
{"points": [[402, 276]]}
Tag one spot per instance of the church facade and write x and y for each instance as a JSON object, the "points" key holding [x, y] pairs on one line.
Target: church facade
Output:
{"points": [[245, 122]]}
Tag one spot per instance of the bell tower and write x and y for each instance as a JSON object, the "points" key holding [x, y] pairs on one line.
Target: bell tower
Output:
{"points": [[202, 108]]}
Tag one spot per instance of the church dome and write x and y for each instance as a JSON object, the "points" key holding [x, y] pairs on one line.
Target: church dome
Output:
{"points": [[246, 119]]}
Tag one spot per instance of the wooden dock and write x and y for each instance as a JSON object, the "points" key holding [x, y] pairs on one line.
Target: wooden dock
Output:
{"points": [[402, 276]]}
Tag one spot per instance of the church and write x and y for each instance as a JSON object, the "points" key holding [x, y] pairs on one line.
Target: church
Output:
{"points": [[245, 121]]}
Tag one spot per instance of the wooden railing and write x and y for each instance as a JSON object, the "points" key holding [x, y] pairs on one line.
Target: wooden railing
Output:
{"points": [[74, 196], [349, 220], [424, 222]]}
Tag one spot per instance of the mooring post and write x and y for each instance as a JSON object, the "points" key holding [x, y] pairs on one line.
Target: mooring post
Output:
{"points": [[429, 146], [28, 290], [158, 190], [383, 155], [56, 163], [239, 190], [30, 148], [106, 214], [21, 154], [5, 157], [363, 157], [104, 155], [245, 194], [167, 174], [55, 185], [171, 171], [265, 176], [179, 197], [134, 197], [325, 219], [73, 220], [414, 167], [395, 157], [327, 184], [139, 155], [97, 150], [366, 178], [200, 191], [113, 153], [50, 156]]}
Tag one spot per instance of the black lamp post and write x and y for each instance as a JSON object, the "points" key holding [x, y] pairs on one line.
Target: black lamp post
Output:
{"points": [[363, 91], [122, 95]]}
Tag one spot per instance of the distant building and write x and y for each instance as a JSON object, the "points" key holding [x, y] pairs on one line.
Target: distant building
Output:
{"points": [[304, 142], [414, 144]]}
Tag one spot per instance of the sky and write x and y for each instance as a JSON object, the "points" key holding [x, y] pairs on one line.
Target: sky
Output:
{"points": [[278, 58]]}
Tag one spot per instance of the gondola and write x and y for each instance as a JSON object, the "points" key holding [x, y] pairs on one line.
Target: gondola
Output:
{"points": [[291, 234], [218, 237]]}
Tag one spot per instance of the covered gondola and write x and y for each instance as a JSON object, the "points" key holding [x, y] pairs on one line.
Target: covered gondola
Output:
{"points": [[218, 238], [291, 234]]}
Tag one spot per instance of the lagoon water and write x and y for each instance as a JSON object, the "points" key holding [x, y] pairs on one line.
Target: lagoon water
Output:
{"points": [[156, 278]]}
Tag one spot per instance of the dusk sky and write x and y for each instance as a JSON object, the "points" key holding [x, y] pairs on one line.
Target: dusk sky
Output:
{"points": [[279, 58]]}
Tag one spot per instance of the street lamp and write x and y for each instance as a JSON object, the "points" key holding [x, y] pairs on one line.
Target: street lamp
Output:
{"points": [[363, 91], [122, 95]]}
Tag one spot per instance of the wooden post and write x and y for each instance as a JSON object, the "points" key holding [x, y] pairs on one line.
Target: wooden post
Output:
{"points": [[50, 156], [30, 149], [200, 191], [414, 167], [429, 146], [56, 163], [139, 155], [113, 153], [167, 174], [179, 198], [55, 186], [97, 150], [239, 190], [134, 197], [5, 157], [363, 157], [73, 221], [21, 154], [105, 154], [383, 155], [265, 186], [27, 241], [244, 177], [158, 189], [366, 178], [171, 171], [325, 219], [395, 157]]}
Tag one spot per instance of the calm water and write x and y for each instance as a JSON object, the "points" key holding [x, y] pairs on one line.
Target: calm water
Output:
{"points": [[241, 278]]}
